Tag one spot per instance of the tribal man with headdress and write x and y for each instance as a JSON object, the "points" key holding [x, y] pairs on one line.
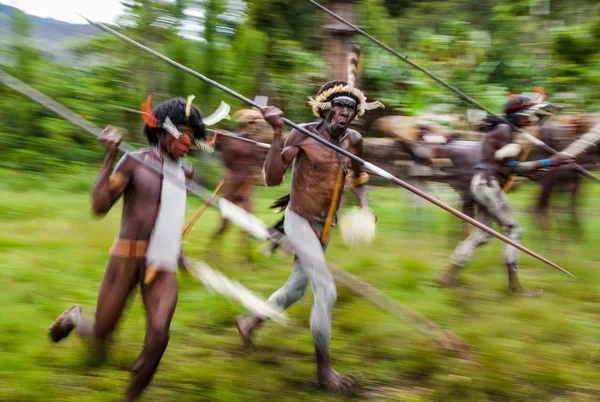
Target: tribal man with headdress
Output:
{"points": [[243, 161], [317, 180], [499, 159], [148, 248]]}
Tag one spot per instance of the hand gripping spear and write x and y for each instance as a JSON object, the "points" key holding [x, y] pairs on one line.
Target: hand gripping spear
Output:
{"points": [[218, 282], [462, 95], [367, 165], [212, 279]]}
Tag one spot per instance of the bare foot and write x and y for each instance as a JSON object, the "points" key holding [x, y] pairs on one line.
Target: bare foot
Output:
{"points": [[332, 381], [245, 327], [65, 323], [521, 291]]}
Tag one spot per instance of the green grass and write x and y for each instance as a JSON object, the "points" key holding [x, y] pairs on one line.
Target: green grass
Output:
{"points": [[53, 253]]}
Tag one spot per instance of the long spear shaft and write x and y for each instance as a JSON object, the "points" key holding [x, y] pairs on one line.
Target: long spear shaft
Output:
{"points": [[85, 125], [369, 166], [358, 286], [461, 94]]}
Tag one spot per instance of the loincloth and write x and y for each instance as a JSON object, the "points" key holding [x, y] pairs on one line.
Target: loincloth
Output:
{"points": [[126, 248]]}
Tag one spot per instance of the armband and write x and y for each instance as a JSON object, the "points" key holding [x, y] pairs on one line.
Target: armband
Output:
{"points": [[353, 181], [511, 163], [546, 163], [115, 181]]}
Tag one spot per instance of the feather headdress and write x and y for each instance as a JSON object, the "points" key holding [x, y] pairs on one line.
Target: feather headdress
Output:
{"points": [[167, 124], [323, 100], [334, 89]]}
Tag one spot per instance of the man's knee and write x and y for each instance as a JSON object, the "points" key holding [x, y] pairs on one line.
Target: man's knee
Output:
{"points": [[514, 232], [326, 291], [291, 292], [158, 338], [481, 239], [299, 288]]}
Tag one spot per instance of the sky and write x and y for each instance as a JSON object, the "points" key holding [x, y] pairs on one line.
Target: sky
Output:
{"points": [[66, 10]]}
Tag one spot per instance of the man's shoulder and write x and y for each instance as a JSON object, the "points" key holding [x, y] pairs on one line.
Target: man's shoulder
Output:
{"points": [[128, 160], [141, 152], [296, 137], [354, 136], [501, 131]]}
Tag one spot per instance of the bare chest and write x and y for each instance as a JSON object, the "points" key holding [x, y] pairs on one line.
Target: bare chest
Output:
{"points": [[146, 184], [318, 159]]}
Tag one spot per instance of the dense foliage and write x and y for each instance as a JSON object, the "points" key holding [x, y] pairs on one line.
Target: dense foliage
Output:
{"points": [[274, 48]]}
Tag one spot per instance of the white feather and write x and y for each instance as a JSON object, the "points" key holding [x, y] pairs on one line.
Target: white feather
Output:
{"points": [[358, 227], [243, 219], [217, 282], [171, 128], [221, 113], [509, 151], [204, 146]]}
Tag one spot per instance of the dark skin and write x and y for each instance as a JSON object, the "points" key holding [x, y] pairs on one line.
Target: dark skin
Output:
{"points": [[141, 189], [243, 163], [494, 140], [501, 136], [315, 171], [316, 165]]}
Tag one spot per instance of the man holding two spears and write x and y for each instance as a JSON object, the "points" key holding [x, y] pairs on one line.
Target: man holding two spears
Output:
{"points": [[317, 180]]}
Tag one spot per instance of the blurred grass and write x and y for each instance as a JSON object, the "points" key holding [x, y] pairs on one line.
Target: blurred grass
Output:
{"points": [[53, 253]]}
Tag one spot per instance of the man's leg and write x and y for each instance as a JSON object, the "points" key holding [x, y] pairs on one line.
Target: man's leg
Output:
{"points": [[230, 187], [119, 280], [160, 299], [465, 250], [246, 202], [312, 258], [542, 205], [497, 205], [575, 187], [288, 294]]}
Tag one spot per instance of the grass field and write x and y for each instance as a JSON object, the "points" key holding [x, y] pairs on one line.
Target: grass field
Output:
{"points": [[53, 253]]}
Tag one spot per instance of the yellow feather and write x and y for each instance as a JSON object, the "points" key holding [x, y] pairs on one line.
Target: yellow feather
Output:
{"points": [[188, 106]]}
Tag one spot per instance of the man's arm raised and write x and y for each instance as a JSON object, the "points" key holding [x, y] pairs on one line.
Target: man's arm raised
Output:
{"points": [[110, 184], [280, 155]]}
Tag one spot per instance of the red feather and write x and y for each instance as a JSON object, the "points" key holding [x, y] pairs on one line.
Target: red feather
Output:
{"points": [[211, 141], [147, 113]]}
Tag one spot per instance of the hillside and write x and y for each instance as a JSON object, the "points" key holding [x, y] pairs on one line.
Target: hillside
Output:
{"points": [[53, 37]]}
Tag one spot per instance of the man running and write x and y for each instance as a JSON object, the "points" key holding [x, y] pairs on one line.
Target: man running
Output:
{"points": [[148, 247], [316, 184]]}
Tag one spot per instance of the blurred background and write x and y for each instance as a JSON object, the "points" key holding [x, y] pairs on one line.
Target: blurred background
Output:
{"points": [[284, 50], [52, 253]]}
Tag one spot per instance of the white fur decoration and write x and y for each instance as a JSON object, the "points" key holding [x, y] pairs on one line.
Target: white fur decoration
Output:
{"points": [[320, 102], [171, 128], [217, 282], [509, 151], [204, 146], [358, 227]]}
